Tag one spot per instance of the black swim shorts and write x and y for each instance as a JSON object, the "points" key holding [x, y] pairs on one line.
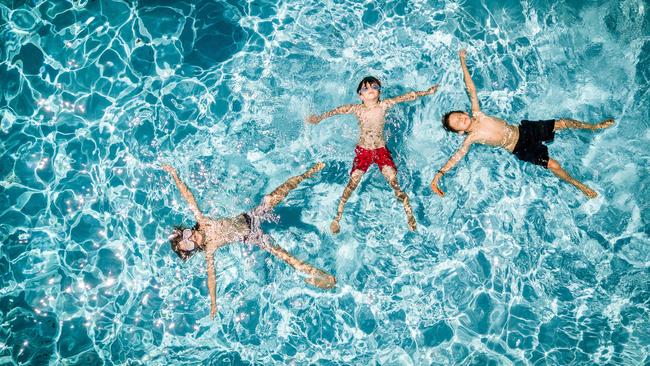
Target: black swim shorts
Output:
{"points": [[249, 222], [532, 135]]}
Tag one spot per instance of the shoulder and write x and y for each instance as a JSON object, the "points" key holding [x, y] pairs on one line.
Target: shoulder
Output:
{"points": [[353, 109], [471, 138], [345, 109], [204, 222]]}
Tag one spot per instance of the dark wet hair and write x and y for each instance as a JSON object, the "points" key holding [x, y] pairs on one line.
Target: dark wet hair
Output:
{"points": [[368, 80], [445, 121], [175, 241]]}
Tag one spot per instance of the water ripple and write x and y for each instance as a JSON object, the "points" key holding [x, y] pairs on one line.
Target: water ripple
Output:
{"points": [[511, 267]]}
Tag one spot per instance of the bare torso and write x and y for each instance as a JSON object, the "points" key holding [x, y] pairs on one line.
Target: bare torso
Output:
{"points": [[221, 232], [371, 124], [494, 132]]}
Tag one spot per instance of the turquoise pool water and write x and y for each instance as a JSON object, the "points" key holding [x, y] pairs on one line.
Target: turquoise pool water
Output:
{"points": [[511, 267]]}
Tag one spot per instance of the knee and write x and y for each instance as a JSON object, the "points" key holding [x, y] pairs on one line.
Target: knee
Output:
{"points": [[356, 175], [401, 195], [553, 165], [388, 170], [355, 179]]}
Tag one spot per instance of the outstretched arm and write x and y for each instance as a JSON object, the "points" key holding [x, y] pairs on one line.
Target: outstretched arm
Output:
{"points": [[212, 284], [410, 96], [458, 155], [469, 83], [185, 192], [344, 109]]}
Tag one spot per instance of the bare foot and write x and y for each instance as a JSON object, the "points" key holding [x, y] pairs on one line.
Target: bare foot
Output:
{"points": [[334, 226], [605, 124], [589, 192], [326, 282]]}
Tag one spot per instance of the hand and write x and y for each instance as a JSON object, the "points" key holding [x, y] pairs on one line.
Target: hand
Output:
{"points": [[313, 119], [462, 53], [432, 89], [213, 311], [434, 186], [168, 168]]}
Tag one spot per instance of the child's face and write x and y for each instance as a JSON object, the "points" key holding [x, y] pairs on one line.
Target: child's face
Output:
{"points": [[459, 122], [370, 92]]}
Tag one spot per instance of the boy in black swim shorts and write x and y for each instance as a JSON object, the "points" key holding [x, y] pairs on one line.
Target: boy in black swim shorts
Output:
{"points": [[525, 141]]}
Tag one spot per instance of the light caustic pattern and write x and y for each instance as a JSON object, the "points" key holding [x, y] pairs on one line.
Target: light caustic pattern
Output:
{"points": [[511, 267]]}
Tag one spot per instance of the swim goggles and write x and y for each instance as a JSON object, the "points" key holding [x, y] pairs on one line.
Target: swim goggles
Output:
{"points": [[373, 86], [187, 233]]}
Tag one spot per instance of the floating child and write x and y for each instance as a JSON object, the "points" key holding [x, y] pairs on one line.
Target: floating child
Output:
{"points": [[525, 141], [370, 114], [209, 234]]}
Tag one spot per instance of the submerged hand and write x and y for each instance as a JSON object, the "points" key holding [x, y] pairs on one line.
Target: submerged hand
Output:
{"points": [[434, 187], [462, 53], [168, 168], [213, 311]]}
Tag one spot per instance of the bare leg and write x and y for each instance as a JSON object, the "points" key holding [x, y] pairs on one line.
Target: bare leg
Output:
{"points": [[280, 193], [355, 178], [555, 167], [318, 277], [390, 175], [564, 123]]}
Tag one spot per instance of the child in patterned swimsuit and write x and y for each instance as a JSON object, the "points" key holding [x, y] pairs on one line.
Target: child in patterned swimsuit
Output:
{"points": [[371, 147], [210, 234], [526, 142]]}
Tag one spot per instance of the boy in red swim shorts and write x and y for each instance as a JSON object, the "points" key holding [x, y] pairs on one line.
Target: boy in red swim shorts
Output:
{"points": [[371, 148]]}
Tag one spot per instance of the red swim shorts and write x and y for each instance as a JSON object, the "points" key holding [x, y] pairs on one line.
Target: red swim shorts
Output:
{"points": [[365, 157]]}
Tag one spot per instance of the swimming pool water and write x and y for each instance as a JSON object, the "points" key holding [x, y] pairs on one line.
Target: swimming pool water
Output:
{"points": [[510, 267]]}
